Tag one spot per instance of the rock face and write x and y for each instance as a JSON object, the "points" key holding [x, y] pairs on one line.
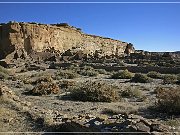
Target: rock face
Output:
{"points": [[21, 39]]}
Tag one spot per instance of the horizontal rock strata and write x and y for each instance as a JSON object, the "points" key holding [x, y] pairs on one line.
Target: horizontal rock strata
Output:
{"points": [[23, 38]]}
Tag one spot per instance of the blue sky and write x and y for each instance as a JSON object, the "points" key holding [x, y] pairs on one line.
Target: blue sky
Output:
{"points": [[151, 27]]}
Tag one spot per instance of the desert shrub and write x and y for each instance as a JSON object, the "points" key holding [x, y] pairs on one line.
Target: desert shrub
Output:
{"points": [[28, 80], [3, 73], [154, 74], [88, 71], [66, 74], [2, 69], [168, 100], [66, 83], [158, 89], [45, 89], [95, 92], [132, 92], [122, 75], [169, 79], [172, 122], [101, 71], [141, 78], [73, 68], [24, 78], [62, 24], [42, 79], [178, 79], [87, 68]]}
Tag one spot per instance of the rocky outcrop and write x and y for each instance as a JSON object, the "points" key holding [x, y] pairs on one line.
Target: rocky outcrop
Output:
{"points": [[21, 39]]}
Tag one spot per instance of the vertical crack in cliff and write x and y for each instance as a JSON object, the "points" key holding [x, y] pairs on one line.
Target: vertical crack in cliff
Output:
{"points": [[27, 43]]}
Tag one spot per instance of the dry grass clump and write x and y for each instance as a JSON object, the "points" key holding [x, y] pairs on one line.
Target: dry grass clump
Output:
{"points": [[45, 89], [124, 108], [122, 75], [141, 78], [154, 74], [95, 92], [169, 79], [66, 74], [168, 100]]}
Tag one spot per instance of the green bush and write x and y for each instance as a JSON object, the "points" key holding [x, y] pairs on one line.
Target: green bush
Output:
{"points": [[122, 75], [94, 92], [168, 100], [66, 74], [154, 74], [169, 79], [141, 78]]}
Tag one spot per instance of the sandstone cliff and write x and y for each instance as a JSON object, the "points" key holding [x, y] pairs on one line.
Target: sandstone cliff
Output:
{"points": [[27, 37]]}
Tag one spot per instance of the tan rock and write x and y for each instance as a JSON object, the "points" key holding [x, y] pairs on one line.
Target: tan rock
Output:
{"points": [[24, 38]]}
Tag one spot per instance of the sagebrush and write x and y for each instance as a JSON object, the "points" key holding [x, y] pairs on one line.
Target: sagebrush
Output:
{"points": [[168, 100], [141, 78], [122, 75], [95, 92]]}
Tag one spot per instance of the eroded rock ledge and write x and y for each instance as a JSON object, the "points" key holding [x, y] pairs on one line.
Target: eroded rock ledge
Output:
{"points": [[24, 38]]}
